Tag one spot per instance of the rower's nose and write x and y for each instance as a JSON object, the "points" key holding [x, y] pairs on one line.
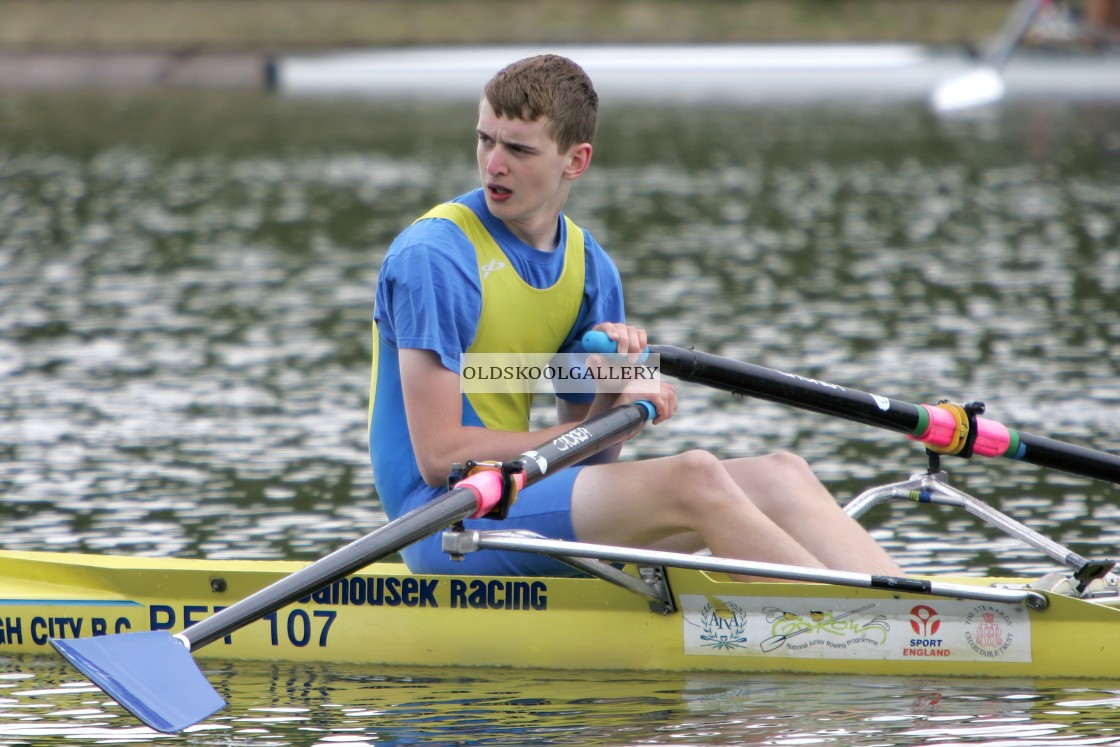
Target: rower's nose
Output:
{"points": [[496, 163]]}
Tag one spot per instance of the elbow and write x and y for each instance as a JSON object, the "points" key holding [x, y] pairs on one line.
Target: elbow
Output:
{"points": [[435, 470], [436, 453], [435, 476], [436, 457]]}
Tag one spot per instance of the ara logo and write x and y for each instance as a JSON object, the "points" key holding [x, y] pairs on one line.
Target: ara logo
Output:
{"points": [[723, 625], [924, 620], [491, 266]]}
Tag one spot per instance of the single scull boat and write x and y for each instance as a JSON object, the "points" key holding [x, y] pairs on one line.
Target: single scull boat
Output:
{"points": [[636, 610]]}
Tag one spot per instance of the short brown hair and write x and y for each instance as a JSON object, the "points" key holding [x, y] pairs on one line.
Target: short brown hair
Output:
{"points": [[547, 86]]}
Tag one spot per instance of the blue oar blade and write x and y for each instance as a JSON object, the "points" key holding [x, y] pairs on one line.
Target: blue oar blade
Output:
{"points": [[153, 675]]}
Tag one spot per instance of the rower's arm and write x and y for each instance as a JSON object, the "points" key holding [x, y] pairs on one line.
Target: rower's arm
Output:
{"points": [[434, 408]]}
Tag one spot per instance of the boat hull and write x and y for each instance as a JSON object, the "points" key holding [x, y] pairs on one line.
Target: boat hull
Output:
{"points": [[387, 616]]}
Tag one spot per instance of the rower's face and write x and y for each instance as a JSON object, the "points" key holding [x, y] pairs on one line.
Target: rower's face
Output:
{"points": [[524, 175]]}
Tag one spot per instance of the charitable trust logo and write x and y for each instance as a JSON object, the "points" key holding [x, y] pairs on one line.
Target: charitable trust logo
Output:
{"points": [[989, 630], [561, 373]]}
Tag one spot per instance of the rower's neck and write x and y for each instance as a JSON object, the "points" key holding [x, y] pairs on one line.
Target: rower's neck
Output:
{"points": [[546, 238]]}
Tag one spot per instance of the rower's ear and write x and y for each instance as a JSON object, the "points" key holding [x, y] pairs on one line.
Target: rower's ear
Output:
{"points": [[579, 158]]}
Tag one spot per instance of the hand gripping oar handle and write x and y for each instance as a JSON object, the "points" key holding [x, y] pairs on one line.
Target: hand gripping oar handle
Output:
{"points": [[472, 496], [946, 429], [598, 342], [152, 673]]}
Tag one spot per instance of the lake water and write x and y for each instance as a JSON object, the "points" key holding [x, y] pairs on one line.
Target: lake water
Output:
{"points": [[185, 293]]}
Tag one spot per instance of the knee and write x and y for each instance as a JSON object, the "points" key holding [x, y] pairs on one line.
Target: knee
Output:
{"points": [[788, 467], [790, 478], [698, 465], [702, 477]]}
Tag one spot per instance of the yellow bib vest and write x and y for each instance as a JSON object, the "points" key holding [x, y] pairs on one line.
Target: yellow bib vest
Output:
{"points": [[516, 317]]}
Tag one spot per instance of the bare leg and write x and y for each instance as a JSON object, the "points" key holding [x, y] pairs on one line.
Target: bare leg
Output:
{"points": [[688, 542], [643, 504], [785, 489], [693, 500]]}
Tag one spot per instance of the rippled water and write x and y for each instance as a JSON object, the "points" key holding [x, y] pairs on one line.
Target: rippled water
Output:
{"points": [[185, 292], [288, 705]]}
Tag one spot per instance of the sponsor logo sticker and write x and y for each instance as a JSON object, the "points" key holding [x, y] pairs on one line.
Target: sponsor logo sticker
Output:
{"points": [[854, 628]]}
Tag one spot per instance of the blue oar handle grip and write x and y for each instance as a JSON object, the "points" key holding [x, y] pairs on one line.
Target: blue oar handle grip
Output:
{"points": [[598, 342], [651, 411]]}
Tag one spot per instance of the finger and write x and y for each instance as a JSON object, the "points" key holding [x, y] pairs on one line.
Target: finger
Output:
{"points": [[637, 338], [615, 332], [668, 397]]}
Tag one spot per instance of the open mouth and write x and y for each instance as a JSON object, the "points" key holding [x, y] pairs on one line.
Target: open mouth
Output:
{"points": [[498, 192]]}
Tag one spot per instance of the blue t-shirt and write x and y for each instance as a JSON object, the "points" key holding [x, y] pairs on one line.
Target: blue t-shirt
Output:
{"points": [[429, 297]]}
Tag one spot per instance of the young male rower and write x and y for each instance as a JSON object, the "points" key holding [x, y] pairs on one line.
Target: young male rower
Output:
{"points": [[501, 269]]}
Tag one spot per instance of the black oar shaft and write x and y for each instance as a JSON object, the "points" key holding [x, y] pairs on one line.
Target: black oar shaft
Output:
{"points": [[787, 389], [582, 441], [389, 538], [851, 404], [1076, 460], [573, 446]]}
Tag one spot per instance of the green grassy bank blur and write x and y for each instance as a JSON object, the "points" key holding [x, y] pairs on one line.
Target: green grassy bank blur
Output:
{"points": [[300, 25]]}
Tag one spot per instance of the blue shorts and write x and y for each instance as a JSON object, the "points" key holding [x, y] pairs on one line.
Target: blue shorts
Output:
{"points": [[544, 508]]}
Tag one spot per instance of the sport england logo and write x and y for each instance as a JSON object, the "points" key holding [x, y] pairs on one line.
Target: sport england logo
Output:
{"points": [[924, 620]]}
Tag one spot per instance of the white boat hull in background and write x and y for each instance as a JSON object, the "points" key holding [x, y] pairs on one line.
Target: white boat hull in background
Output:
{"points": [[696, 73]]}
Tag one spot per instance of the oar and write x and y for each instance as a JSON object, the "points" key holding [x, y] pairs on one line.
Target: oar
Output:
{"points": [[948, 429], [984, 85], [153, 674]]}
